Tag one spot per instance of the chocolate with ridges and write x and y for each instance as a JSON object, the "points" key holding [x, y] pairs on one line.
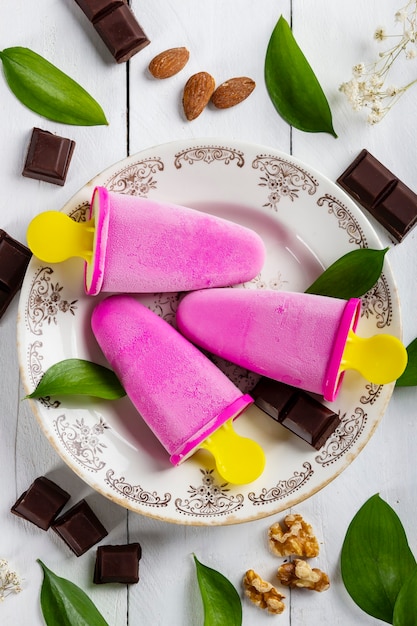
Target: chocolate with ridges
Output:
{"points": [[296, 410], [117, 564], [41, 503], [14, 259], [379, 191], [80, 528], [48, 157]]}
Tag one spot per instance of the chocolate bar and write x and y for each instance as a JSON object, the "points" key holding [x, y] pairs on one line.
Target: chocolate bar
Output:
{"points": [[379, 191], [14, 259], [41, 503], [297, 411], [80, 528], [117, 564], [48, 157], [116, 24]]}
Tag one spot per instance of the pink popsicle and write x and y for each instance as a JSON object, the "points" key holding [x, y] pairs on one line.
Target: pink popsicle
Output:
{"points": [[294, 338], [146, 246], [182, 396]]}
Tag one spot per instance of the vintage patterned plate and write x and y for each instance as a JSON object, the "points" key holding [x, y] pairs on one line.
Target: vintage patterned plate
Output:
{"points": [[307, 222]]}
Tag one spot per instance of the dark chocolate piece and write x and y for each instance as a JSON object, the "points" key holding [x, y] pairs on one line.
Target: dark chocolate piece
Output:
{"points": [[117, 25], [379, 191], [48, 157], [296, 410], [121, 33], [95, 9], [117, 564], [41, 503], [80, 528], [14, 259]]}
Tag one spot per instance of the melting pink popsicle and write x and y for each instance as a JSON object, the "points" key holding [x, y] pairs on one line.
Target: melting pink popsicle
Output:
{"points": [[295, 338], [182, 396], [137, 245]]}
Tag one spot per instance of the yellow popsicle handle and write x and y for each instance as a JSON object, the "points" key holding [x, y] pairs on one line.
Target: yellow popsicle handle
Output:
{"points": [[54, 237], [380, 359], [239, 460]]}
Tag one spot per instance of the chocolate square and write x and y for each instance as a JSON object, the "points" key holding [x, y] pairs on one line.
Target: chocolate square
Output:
{"points": [[41, 503], [272, 396], [296, 410], [48, 157], [309, 419], [117, 564], [80, 528], [94, 9], [14, 259], [379, 191], [121, 33]]}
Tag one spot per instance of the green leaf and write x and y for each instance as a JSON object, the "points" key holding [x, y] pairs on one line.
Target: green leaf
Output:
{"points": [[65, 604], [79, 377], [351, 276], [376, 559], [292, 85], [405, 609], [43, 88], [221, 601], [409, 377]]}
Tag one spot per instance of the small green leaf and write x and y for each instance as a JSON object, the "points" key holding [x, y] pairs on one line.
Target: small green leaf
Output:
{"points": [[79, 377], [409, 377], [65, 604], [405, 609], [43, 88], [292, 85], [221, 601], [351, 276], [376, 559]]}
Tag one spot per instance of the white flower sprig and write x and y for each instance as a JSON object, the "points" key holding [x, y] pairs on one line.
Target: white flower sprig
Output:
{"points": [[9, 581], [367, 88]]}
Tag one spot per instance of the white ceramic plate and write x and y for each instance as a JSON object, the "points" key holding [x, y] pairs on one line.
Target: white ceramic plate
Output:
{"points": [[307, 222]]}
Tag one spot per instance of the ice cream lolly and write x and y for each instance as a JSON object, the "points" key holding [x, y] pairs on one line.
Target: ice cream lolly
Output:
{"points": [[304, 340], [183, 397], [136, 245]]}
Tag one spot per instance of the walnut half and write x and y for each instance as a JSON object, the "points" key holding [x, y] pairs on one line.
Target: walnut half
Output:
{"points": [[299, 573], [298, 539], [262, 593]]}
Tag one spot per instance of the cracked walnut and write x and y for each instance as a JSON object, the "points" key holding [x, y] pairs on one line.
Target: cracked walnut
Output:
{"points": [[299, 573], [262, 593], [298, 539]]}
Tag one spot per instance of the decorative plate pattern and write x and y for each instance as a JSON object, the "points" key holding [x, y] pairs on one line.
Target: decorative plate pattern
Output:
{"points": [[306, 222]]}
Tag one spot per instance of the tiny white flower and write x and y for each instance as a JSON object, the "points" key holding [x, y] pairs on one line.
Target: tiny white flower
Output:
{"points": [[410, 54], [358, 69], [380, 34], [401, 16]]}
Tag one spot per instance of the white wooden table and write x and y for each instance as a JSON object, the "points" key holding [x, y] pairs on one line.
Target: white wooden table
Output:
{"points": [[227, 39]]}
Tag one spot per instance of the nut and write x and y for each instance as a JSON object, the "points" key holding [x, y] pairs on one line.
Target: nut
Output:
{"points": [[262, 593], [169, 62], [298, 573], [298, 540], [233, 91], [197, 93]]}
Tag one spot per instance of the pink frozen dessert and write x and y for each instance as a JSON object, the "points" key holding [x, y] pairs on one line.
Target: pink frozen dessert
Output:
{"points": [[303, 340], [136, 245], [183, 397]]}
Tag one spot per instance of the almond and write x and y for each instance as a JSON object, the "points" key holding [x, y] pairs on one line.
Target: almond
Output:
{"points": [[197, 93], [233, 91], [169, 62]]}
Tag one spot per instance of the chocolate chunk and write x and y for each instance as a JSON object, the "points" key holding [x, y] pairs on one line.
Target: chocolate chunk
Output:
{"points": [[296, 410], [48, 157], [121, 33], [80, 528], [14, 259], [117, 564], [41, 503], [116, 24], [379, 191], [95, 9]]}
